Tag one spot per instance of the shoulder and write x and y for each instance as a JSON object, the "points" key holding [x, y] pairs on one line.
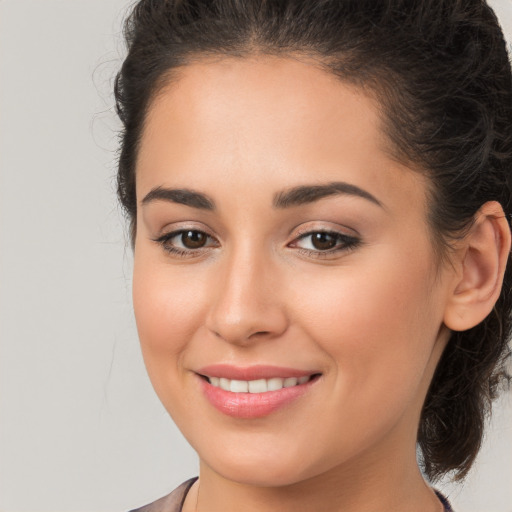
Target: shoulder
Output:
{"points": [[444, 501], [173, 502]]}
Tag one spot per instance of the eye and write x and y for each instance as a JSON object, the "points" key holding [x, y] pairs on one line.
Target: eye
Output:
{"points": [[325, 242], [192, 239], [186, 242]]}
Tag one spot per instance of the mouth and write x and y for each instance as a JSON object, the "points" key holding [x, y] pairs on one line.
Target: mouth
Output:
{"points": [[255, 392], [258, 385]]}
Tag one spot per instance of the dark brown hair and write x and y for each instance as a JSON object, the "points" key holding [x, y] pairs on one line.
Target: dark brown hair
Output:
{"points": [[441, 73]]}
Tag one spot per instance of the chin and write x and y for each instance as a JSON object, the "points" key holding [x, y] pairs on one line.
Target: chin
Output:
{"points": [[257, 475], [262, 466]]}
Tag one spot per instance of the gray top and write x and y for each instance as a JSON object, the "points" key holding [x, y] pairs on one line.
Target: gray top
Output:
{"points": [[172, 502]]}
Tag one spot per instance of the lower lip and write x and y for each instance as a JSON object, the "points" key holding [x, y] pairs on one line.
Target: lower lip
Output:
{"points": [[252, 405]]}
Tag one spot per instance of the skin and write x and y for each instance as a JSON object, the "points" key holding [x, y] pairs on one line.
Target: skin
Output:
{"points": [[368, 317]]}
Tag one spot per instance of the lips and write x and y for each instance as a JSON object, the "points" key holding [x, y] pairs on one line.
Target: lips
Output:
{"points": [[255, 391]]}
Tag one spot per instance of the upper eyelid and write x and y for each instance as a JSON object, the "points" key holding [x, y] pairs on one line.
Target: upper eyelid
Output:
{"points": [[344, 231], [342, 236], [174, 230], [324, 225], [177, 231], [310, 231]]}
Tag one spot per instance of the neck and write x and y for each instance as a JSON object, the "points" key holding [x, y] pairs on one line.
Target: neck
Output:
{"points": [[372, 486]]}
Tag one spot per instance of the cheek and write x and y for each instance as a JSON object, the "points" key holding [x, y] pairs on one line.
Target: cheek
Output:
{"points": [[378, 325], [168, 313]]}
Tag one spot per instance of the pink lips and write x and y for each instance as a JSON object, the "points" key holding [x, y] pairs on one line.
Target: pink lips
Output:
{"points": [[252, 405]]}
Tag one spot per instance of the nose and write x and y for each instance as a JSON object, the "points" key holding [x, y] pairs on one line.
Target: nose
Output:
{"points": [[247, 304]]}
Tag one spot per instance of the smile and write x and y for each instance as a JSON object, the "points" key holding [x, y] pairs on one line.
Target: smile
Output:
{"points": [[257, 386], [249, 393]]}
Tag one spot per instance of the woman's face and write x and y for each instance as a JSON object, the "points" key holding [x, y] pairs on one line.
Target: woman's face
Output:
{"points": [[277, 239]]}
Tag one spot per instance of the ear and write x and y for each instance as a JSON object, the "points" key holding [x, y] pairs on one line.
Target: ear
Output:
{"points": [[480, 266]]}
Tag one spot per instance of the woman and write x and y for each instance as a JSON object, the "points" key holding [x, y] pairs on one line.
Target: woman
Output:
{"points": [[320, 200]]}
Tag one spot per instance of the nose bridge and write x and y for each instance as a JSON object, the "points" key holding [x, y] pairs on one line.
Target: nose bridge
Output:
{"points": [[245, 303]]}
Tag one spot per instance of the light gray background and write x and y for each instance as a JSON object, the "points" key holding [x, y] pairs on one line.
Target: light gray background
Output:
{"points": [[80, 427]]}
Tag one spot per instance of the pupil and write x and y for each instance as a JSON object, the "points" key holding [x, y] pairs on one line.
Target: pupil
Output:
{"points": [[323, 241], [193, 239]]}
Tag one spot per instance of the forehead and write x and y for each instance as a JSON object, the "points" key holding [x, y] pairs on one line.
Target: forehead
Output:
{"points": [[266, 119], [289, 81], [240, 101]]}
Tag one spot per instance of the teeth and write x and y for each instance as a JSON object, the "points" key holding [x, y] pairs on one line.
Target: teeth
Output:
{"points": [[257, 386], [289, 382], [275, 384], [239, 386]]}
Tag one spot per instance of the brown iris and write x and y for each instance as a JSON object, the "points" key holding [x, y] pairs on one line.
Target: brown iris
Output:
{"points": [[193, 239], [323, 241]]}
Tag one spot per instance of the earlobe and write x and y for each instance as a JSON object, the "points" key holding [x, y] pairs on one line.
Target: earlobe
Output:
{"points": [[482, 261]]}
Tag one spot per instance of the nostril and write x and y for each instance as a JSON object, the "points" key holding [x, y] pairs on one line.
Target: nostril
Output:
{"points": [[259, 333]]}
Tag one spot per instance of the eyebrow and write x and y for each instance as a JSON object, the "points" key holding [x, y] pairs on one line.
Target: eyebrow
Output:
{"points": [[181, 196], [305, 194], [296, 196]]}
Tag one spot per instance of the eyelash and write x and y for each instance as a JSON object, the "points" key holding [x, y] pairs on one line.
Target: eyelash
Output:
{"points": [[177, 251], [344, 243]]}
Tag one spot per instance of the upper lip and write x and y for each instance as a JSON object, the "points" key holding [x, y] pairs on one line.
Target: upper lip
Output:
{"points": [[252, 372]]}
